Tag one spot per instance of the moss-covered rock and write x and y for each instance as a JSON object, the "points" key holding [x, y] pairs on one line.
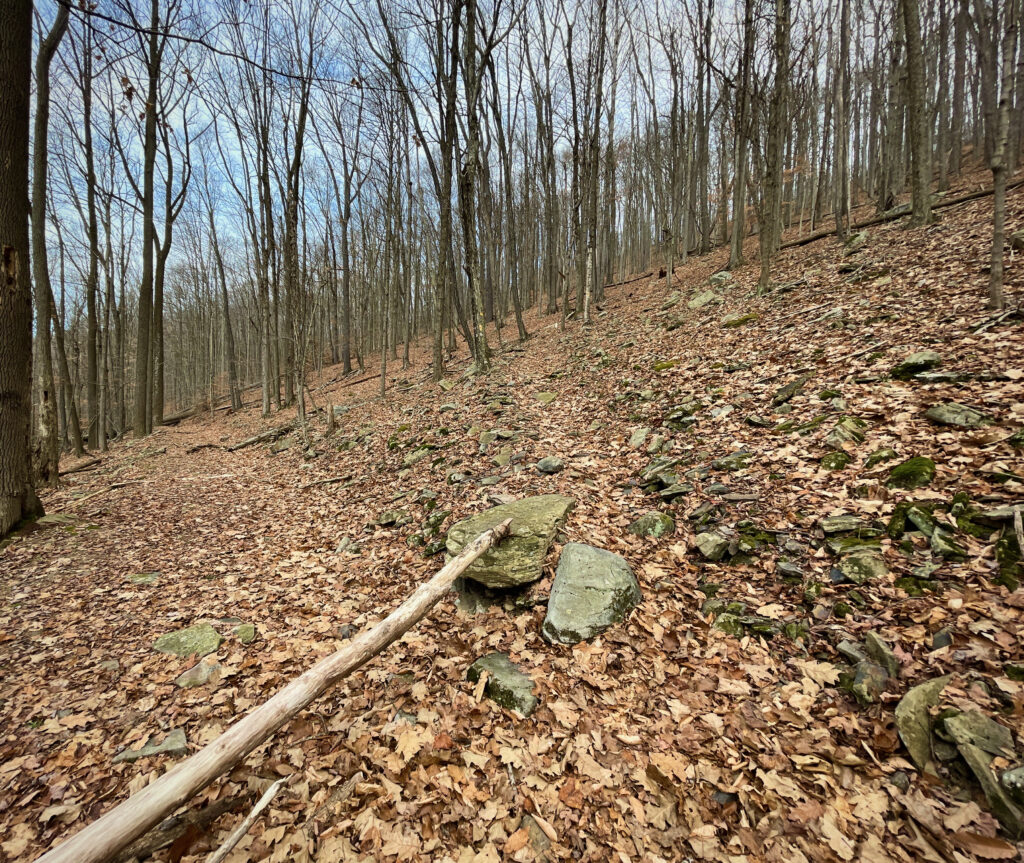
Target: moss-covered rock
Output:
{"points": [[862, 566], [711, 545], [519, 558], [729, 624], [881, 455], [702, 299], [915, 472], [506, 684], [836, 460], [198, 640], [738, 319], [655, 524], [785, 393], [921, 361], [957, 415], [847, 430], [593, 589]]}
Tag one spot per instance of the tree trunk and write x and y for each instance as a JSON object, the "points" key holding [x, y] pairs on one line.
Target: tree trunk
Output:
{"points": [[17, 497], [917, 117]]}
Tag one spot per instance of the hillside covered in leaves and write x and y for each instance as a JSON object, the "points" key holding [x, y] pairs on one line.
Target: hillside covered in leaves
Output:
{"points": [[817, 490]]}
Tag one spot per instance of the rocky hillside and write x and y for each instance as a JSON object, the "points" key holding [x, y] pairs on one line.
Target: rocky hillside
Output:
{"points": [[762, 602]]}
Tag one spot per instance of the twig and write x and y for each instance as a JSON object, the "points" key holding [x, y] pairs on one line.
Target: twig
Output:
{"points": [[1018, 528], [243, 828], [199, 446], [328, 481]]}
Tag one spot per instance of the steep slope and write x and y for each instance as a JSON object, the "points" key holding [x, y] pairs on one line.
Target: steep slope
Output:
{"points": [[713, 724]]}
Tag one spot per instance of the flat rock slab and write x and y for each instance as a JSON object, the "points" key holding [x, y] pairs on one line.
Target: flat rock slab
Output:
{"points": [[198, 640], [199, 675], [173, 744], [914, 723], [518, 559], [957, 415], [593, 589], [655, 524], [506, 685]]}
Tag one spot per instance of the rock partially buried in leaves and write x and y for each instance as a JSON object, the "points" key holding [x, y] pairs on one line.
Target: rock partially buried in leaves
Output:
{"points": [[550, 464], [835, 460], [198, 640], [173, 744], [655, 524], [1009, 814], [915, 472], [847, 430], [702, 299], [546, 398], [863, 566], [199, 675], [506, 684], [784, 394], [593, 589], [914, 723], [921, 361], [245, 633], [881, 455], [957, 415], [712, 546], [518, 559]]}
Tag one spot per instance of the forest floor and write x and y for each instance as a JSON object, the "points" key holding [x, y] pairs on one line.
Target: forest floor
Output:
{"points": [[665, 738]]}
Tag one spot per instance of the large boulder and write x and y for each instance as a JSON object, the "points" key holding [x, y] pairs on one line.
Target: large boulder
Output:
{"points": [[593, 589], [518, 559]]}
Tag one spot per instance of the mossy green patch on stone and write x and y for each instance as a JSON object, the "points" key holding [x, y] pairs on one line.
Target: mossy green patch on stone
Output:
{"points": [[655, 524], [197, 640], [245, 633], [921, 361], [915, 472], [881, 455], [835, 460], [506, 684], [738, 319]]}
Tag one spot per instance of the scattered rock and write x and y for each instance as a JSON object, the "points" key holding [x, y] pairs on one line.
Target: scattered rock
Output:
{"points": [[702, 299], [546, 398], [738, 319], [835, 460], [671, 301], [733, 462], [636, 440], [729, 624], [550, 464], [862, 566], [593, 589], [245, 633], [722, 277], [1013, 780], [1009, 814], [975, 728], [416, 456], [868, 682], [518, 559], [198, 640], [914, 724], [506, 685], [144, 577], [879, 651], [841, 524], [784, 394], [942, 638], [847, 430], [712, 546], [655, 524], [957, 415], [173, 744], [199, 675], [915, 472], [922, 361]]}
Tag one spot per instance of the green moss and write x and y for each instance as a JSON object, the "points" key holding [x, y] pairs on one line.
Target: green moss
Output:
{"points": [[915, 472], [836, 460]]}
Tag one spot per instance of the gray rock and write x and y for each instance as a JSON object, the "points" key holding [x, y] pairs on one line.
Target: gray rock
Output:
{"points": [[711, 545], [957, 415], [921, 361], [784, 394], [733, 462], [199, 675], [863, 566], [198, 640], [976, 728], [881, 455], [841, 524], [847, 430], [722, 277], [416, 456], [837, 460], [1013, 780], [704, 298], [245, 633], [943, 545], [913, 721], [506, 684], [636, 440], [851, 652], [593, 589], [1009, 814], [655, 524], [518, 559], [550, 464], [879, 651], [173, 744]]}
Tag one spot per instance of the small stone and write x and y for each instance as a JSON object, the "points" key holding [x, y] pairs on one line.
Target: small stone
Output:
{"points": [[546, 398], [655, 524], [550, 464], [671, 301], [784, 394], [835, 460], [1013, 782], [199, 675], [143, 577], [957, 415], [416, 456], [841, 524], [712, 546], [110, 666], [722, 277], [738, 319], [922, 361], [198, 640], [788, 569], [1009, 814], [729, 624], [900, 780], [869, 682], [173, 744], [942, 638], [879, 651], [656, 444], [733, 462], [847, 430], [702, 299], [851, 652], [506, 685], [943, 545], [975, 728], [245, 633], [915, 472], [636, 440], [863, 566]]}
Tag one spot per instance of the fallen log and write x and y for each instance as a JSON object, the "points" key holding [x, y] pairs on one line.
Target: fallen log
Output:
{"points": [[893, 215], [106, 836], [85, 465], [262, 437]]}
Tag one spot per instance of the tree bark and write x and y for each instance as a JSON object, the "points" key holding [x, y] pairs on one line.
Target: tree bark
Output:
{"points": [[917, 117]]}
